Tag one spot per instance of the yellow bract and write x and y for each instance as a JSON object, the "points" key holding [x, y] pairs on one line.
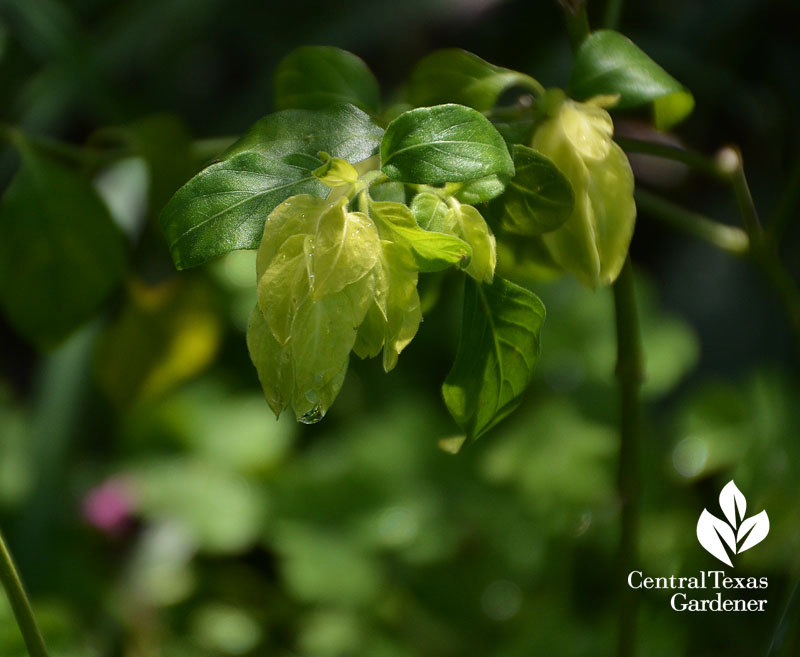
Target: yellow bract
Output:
{"points": [[577, 137]]}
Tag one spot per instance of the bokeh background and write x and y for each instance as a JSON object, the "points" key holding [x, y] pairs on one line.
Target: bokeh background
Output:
{"points": [[155, 506]]}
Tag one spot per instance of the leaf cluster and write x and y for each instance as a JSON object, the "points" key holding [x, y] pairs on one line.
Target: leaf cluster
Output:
{"points": [[349, 201]]}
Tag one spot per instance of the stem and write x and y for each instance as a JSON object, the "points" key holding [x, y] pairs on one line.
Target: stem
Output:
{"points": [[692, 159], [731, 239], [730, 162], [612, 15], [726, 167], [20, 603], [577, 22], [77, 155], [630, 373], [763, 252]]}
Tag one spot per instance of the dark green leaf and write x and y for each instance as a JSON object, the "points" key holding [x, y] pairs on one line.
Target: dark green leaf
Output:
{"points": [[296, 136], [539, 198], [515, 124], [445, 143], [315, 77], [224, 206], [609, 63], [496, 356], [457, 76], [60, 252]]}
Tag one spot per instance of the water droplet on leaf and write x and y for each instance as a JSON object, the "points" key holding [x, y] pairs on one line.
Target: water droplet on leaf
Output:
{"points": [[312, 416]]}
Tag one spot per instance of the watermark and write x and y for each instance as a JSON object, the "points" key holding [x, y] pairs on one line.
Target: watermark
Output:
{"points": [[735, 532], [724, 539]]}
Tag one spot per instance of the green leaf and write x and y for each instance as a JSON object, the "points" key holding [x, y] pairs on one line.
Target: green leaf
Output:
{"points": [[315, 285], [496, 355], [223, 207], [539, 197], [371, 333], [401, 301], [469, 225], [336, 172], [342, 249], [327, 250], [315, 77], [457, 76], [609, 63], [273, 362], [445, 143], [296, 136], [477, 191], [60, 252], [388, 191], [525, 259], [430, 211], [433, 251], [514, 123], [323, 334]]}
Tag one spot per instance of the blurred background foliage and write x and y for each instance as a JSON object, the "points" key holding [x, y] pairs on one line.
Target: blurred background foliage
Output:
{"points": [[156, 507]]}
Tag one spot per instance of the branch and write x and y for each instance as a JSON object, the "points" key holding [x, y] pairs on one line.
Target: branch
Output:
{"points": [[630, 373], [731, 239], [20, 603]]}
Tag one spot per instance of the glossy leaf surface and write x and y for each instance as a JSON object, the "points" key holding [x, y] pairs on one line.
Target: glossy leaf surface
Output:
{"points": [[539, 198], [223, 208], [609, 63], [433, 251], [496, 356], [445, 143], [468, 224], [315, 77], [453, 75]]}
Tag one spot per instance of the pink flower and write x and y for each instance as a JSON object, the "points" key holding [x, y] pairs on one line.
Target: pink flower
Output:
{"points": [[109, 506]]}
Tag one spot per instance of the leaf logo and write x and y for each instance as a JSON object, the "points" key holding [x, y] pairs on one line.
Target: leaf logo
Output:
{"points": [[738, 534]]}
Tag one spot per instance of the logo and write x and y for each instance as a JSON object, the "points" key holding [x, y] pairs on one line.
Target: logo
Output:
{"points": [[715, 590], [735, 534]]}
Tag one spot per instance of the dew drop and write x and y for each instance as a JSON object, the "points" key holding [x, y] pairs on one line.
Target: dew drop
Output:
{"points": [[312, 416]]}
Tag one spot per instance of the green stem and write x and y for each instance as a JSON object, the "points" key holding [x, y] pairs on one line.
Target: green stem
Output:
{"points": [[20, 603], [577, 22], [764, 253], [731, 239], [730, 162], [612, 15], [630, 374], [77, 155], [726, 167], [692, 159]]}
